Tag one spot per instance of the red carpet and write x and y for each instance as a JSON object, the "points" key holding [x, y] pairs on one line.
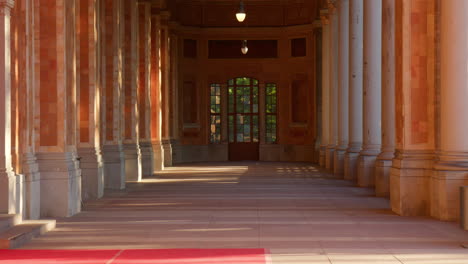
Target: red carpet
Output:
{"points": [[143, 256]]}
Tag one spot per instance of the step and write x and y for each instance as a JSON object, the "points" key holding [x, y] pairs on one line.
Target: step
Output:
{"points": [[8, 220], [21, 234]]}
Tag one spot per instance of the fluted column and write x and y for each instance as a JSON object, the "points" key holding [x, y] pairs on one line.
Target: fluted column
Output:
{"points": [[384, 160], [325, 85], [7, 176], [451, 170], [144, 26], [155, 93], [88, 95], [356, 42], [333, 102], [166, 92], [130, 120], [174, 95], [113, 153], [343, 86], [55, 109], [372, 92]]}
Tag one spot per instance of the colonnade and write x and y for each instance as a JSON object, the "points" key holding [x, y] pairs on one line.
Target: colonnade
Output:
{"points": [[394, 91], [85, 90]]}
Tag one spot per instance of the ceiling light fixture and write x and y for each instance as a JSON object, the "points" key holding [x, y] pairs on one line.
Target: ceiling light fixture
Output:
{"points": [[240, 15], [244, 48]]}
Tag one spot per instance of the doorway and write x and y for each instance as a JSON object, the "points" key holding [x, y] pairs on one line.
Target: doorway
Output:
{"points": [[243, 119]]}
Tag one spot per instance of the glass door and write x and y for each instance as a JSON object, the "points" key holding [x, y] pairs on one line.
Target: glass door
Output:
{"points": [[243, 117]]}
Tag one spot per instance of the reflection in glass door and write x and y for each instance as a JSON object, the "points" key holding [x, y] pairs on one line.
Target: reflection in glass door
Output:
{"points": [[243, 117]]}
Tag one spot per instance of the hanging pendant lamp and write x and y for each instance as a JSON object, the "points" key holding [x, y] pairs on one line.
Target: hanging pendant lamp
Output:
{"points": [[244, 48], [240, 15]]}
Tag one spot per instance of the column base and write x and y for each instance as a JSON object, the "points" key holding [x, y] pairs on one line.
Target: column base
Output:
{"points": [[366, 170], [383, 165], [176, 152], [7, 192], [114, 167], [20, 195], [410, 183], [445, 190], [167, 149], [60, 184], [92, 173], [330, 157], [147, 168], [158, 156], [133, 172], [32, 187], [339, 158], [351, 166], [322, 154], [316, 154]]}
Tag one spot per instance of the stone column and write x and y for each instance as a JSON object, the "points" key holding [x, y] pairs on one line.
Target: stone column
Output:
{"points": [[144, 109], [130, 119], [88, 95], [325, 85], [32, 185], [343, 86], [372, 92], [451, 169], [356, 42], [414, 107], [333, 112], [384, 160], [166, 96], [155, 94], [174, 96], [55, 109], [114, 158], [7, 176]]}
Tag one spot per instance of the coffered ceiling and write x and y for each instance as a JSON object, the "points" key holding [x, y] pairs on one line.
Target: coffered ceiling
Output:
{"points": [[260, 13]]}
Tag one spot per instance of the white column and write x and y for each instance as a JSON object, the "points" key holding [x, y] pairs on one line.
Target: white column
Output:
{"points": [[452, 166], [325, 85], [372, 92], [7, 176], [356, 42], [333, 111], [384, 160], [343, 85]]}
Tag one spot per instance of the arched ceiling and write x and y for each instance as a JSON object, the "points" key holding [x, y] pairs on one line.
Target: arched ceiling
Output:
{"points": [[260, 13]]}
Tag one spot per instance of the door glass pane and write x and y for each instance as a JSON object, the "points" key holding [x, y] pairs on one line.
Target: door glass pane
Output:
{"points": [[255, 103], [231, 128], [255, 128], [240, 128], [240, 104], [243, 110], [247, 125], [246, 104]]}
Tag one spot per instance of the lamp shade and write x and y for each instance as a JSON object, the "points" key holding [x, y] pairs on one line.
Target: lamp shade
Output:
{"points": [[240, 15], [244, 48]]}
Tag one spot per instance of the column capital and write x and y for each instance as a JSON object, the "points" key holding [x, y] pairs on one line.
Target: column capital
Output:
{"points": [[324, 17], [332, 5], [6, 6]]}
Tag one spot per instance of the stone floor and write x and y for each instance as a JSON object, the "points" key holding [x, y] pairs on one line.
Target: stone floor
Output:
{"points": [[299, 213]]}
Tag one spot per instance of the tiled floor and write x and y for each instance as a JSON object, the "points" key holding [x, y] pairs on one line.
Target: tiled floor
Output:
{"points": [[302, 215]]}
